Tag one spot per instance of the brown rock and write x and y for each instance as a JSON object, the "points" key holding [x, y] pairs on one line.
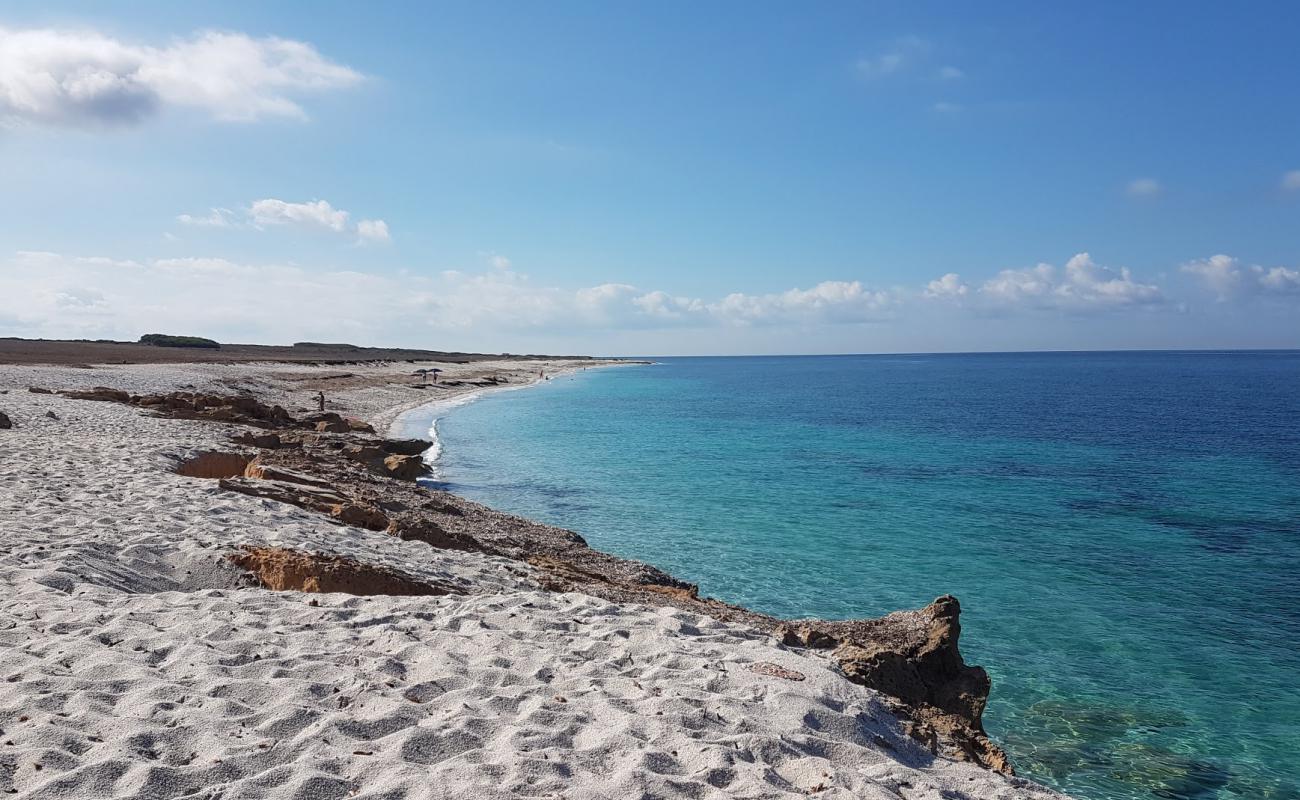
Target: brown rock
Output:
{"points": [[432, 534], [190, 405], [100, 393], [214, 465], [360, 426], [406, 468], [269, 472], [360, 516], [405, 447], [266, 441], [913, 656], [329, 426], [39, 390], [364, 453], [301, 495], [290, 570]]}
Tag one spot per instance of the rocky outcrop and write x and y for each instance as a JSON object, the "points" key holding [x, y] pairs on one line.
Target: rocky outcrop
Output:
{"points": [[264, 441], [192, 405], [913, 656], [405, 447], [101, 393], [5, 422], [329, 422], [405, 468], [290, 570], [431, 533], [214, 465]]}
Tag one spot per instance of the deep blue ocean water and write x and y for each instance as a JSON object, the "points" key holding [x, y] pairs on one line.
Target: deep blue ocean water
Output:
{"points": [[1123, 529]]}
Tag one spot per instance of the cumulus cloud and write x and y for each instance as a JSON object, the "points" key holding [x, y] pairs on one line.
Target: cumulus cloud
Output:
{"points": [[314, 214], [947, 286], [216, 218], [61, 77], [1228, 277], [1220, 273], [1144, 187], [47, 294], [1280, 280], [373, 230], [828, 301], [1082, 285]]}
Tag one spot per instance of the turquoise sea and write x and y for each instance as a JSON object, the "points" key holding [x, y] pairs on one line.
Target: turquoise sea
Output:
{"points": [[1123, 529]]}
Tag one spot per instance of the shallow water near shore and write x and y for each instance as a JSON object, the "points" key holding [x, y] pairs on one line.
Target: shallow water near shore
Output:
{"points": [[1123, 530]]}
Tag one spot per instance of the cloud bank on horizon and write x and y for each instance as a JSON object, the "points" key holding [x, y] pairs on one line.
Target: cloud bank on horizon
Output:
{"points": [[243, 279], [46, 294]]}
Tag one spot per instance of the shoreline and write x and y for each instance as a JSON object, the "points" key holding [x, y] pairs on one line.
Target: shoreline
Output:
{"points": [[136, 534], [420, 422]]}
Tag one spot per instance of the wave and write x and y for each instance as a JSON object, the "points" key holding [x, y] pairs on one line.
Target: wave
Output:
{"points": [[421, 422]]}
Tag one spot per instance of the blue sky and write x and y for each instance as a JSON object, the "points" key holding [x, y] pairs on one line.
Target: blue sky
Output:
{"points": [[654, 178]]}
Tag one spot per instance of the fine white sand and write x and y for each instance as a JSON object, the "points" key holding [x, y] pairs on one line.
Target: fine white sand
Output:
{"points": [[133, 667]]}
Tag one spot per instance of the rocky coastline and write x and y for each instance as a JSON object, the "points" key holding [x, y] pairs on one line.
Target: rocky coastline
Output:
{"points": [[338, 466]]}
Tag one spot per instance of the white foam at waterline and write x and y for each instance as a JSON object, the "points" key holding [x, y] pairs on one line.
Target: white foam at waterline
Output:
{"points": [[421, 422]]}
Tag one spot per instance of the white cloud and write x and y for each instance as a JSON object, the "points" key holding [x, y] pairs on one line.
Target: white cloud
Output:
{"points": [[373, 230], [271, 212], [828, 301], [1227, 277], [79, 297], [1081, 285], [661, 305], [216, 218], [313, 214], [61, 77], [1291, 180], [1144, 187], [1220, 273], [47, 294], [948, 286], [1279, 279], [951, 73]]}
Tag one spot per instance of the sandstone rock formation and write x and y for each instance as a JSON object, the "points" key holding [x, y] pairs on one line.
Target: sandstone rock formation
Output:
{"points": [[406, 468], [214, 465], [289, 570]]}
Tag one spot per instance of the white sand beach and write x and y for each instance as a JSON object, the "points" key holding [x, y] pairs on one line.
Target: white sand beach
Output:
{"points": [[138, 662]]}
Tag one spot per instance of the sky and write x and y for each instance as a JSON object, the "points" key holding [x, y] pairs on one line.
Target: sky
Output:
{"points": [[653, 178]]}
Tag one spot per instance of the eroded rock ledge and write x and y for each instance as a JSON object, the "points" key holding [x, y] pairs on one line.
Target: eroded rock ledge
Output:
{"points": [[339, 468]]}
